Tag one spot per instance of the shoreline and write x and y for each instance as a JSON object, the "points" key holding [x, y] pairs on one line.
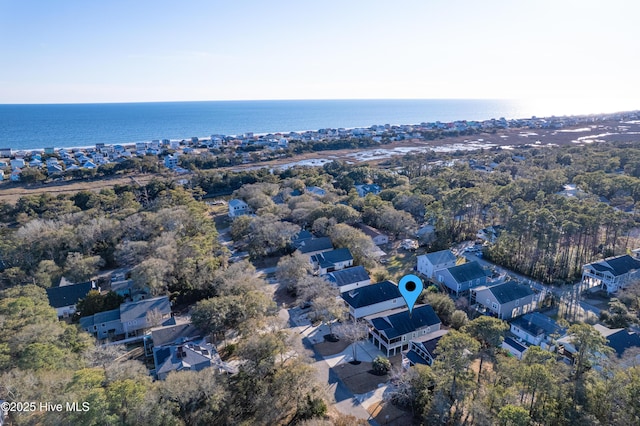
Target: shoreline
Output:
{"points": [[287, 134]]}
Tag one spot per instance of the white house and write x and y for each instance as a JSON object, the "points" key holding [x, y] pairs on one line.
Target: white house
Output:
{"points": [[537, 329], [378, 237], [238, 207], [391, 332], [349, 278], [313, 246], [64, 298], [332, 260], [171, 161], [611, 274], [422, 349], [514, 347], [431, 262], [373, 299]]}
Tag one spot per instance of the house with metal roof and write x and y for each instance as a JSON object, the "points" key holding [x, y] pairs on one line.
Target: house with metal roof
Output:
{"points": [[64, 298], [391, 333], [373, 299], [612, 273], [349, 279], [332, 260], [429, 263], [505, 300], [422, 349], [463, 277]]}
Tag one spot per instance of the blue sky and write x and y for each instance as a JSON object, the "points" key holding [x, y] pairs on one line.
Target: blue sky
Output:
{"points": [[121, 51]]}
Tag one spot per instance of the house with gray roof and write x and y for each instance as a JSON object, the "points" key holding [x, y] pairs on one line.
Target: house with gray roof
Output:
{"points": [[461, 278], [187, 356], [619, 339], [130, 320], [537, 329], [332, 260], [364, 189], [144, 314], [238, 207], [429, 263], [373, 299], [612, 273], [505, 300], [104, 325], [349, 278], [391, 333], [312, 246], [64, 298]]}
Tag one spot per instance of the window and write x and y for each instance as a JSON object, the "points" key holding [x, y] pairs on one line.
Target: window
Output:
{"points": [[393, 301], [428, 329], [518, 302], [494, 306]]}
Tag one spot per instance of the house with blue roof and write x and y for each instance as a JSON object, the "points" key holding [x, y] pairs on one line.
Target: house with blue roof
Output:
{"points": [[612, 273], [365, 189], [349, 278], [391, 332], [422, 349], [332, 260], [537, 329], [373, 299], [504, 300], [64, 298], [514, 347]]}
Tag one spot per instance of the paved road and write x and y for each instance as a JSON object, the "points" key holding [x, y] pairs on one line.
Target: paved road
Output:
{"points": [[565, 294]]}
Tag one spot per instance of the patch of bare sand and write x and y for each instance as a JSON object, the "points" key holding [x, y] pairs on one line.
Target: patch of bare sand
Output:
{"points": [[385, 413], [330, 348], [359, 378]]}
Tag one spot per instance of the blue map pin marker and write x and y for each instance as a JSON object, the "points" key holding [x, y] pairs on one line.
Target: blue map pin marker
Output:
{"points": [[410, 287]]}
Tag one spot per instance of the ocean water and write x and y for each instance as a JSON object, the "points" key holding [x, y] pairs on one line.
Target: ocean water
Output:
{"points": [[70, 125]]}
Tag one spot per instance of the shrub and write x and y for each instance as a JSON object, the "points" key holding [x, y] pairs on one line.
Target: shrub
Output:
{"points": [[381, 365]]}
